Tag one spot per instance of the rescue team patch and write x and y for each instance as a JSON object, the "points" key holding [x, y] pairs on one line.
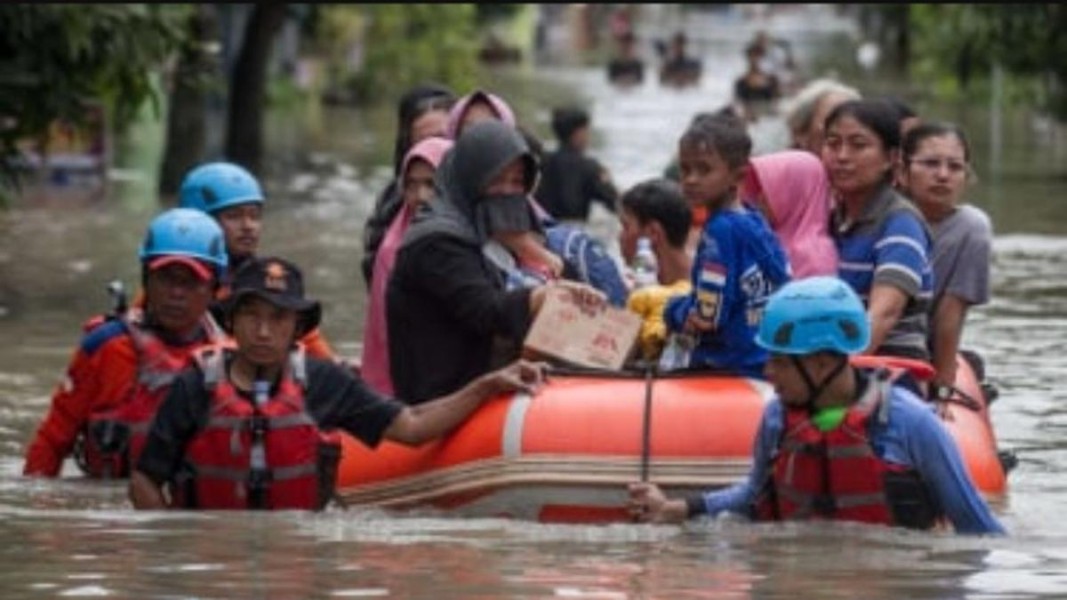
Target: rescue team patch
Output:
{"points": [[275, 278]]}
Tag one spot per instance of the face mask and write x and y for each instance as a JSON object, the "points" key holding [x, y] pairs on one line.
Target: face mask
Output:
{"points": [[509, 213]]}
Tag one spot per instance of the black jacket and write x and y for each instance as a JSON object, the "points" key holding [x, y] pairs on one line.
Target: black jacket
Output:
{"points": [[571, 182], [446, 303]]}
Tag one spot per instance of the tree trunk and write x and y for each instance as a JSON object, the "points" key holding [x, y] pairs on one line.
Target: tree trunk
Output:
{"points": [[903, 40], [186, 117], [244, 134]]}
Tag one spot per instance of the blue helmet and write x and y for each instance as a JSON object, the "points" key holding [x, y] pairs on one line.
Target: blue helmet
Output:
{"points": [[214, 186], [185, 232], [812, 315]]}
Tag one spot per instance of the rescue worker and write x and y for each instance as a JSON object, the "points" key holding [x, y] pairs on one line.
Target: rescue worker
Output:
{"points": [[233, 196], [124, 364], [840, 443], [243, 429]]}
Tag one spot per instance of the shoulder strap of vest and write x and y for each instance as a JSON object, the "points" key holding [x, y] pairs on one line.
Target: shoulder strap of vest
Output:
{"points": [[133, 320], [883, 379], [298, 365], [212, 329], [211, 360], [876, 396]]}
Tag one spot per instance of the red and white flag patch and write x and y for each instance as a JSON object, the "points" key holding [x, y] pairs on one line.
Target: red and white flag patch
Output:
{"points": [[713, 274]]}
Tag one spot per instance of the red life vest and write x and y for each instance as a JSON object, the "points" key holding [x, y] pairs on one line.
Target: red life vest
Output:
{"points": [[298, 462], [837, 475], [113, 438]]}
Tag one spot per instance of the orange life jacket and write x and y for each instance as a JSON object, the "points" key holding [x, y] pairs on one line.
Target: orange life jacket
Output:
{"points": [[113, 438], [837, 475], [297, 463]]}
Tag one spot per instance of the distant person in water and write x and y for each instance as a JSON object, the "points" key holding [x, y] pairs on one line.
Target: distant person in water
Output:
{"points": [[756, 88], [626, 69], [571, 181], [776, 59], [679, 69]]}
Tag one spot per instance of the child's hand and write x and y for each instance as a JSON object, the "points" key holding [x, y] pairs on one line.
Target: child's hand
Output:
{"points": [[554, 264], [589, 299], [694, 323]]}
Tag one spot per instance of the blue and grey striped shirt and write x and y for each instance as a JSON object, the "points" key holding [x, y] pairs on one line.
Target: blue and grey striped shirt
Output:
{"points": [[890, 244]]}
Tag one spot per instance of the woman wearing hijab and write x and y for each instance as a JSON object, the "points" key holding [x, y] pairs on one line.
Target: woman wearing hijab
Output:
{"points": [[792, 190], [475, 107], [417, 189], [446, 302], [423, 111], [521, 253]]}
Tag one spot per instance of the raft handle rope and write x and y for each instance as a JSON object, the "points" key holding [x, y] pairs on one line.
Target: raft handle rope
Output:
{"points": [[635, 373], [646, 424], [953, 394]]}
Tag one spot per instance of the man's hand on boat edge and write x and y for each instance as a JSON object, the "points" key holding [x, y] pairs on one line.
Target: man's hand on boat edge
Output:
{"points": [[522, 375]]}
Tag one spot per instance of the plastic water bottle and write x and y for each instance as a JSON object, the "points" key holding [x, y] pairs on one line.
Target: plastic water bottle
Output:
{"points": [[677, 352], [645, 268]]}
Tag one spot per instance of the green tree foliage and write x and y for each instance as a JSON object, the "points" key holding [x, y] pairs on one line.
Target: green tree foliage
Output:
{"points": [[55, 57], [407, 44], [963, 41], [493, 11]]}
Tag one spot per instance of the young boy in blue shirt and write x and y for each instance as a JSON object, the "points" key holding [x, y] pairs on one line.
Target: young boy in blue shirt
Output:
{"points": [[739, 261]]}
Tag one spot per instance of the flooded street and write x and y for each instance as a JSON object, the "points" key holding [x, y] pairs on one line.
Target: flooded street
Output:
{"points": [[77, 538]]}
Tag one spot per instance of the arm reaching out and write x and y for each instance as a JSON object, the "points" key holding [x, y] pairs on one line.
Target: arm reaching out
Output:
{"points": [[417, 424]]}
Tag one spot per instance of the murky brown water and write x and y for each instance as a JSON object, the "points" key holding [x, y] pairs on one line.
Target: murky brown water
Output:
{"points": [[75, 538]]}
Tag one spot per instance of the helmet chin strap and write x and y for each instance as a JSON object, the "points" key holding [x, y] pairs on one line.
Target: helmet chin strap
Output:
{"points": [[816, 390]]}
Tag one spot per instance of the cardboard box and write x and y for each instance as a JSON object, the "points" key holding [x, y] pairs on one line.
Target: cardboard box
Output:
{"points": [[601, 340]]}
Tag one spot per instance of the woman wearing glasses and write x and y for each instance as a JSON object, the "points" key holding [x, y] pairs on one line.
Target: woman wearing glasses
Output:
{"points": [[936, 171]]}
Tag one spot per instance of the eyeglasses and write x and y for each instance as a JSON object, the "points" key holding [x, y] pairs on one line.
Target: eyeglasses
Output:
{"points": [[955, 167]]}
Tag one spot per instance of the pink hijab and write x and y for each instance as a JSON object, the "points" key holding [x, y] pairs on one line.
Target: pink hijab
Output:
{"points": [[455, 116], [797, 190], [375, 368]]}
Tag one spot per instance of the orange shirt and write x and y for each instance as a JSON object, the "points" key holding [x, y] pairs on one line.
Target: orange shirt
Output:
{"points": [[102, 375]]}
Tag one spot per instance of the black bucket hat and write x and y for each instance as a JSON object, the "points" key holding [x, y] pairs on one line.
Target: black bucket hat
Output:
{"points": [[277, 281]]}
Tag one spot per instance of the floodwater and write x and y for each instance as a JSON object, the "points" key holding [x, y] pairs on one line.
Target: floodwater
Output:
{"points": [[76, 538]]}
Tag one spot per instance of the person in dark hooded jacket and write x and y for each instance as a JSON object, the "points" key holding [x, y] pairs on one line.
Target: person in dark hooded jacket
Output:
{"points": [[447, 306], [421, 113]]}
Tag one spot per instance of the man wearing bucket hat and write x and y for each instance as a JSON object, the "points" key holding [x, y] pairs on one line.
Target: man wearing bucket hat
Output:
{"points": [[233, 196], [840, 443], [124, 365], [244, 428]]}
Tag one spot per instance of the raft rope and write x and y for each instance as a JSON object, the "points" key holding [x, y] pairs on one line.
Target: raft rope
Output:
{"points": [[646, 424]]}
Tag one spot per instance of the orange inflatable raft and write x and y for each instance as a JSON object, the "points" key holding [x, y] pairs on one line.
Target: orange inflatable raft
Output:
{"points": [[566, 454]]}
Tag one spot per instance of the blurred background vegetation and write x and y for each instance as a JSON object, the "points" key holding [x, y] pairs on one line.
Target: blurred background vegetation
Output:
{"points": [[189, 61]]}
